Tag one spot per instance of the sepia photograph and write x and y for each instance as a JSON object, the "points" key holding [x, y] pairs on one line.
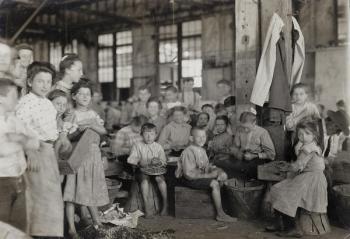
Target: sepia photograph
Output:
{"points": [[174, 119]]}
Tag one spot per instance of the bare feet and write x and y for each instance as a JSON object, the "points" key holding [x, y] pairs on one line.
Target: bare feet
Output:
{"points": [[225, 218]]}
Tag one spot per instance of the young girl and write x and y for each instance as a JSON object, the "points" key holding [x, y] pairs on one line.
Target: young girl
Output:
{"points": [[150, 157], [302, 108], [88, 186], [70, 71], [221, 143], [153, 109], [59, 100], [44, 188], [306, 186]]}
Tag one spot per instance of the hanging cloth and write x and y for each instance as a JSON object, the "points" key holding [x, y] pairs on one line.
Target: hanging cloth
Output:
{"points": [[267, 62], [298, 53], [279, 90]]}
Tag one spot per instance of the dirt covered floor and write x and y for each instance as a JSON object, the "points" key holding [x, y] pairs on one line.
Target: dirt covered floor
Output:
{"points": [[208, 229]]}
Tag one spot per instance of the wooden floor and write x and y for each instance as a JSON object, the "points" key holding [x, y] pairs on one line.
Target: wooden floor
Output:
{"points": [[208, 229]]}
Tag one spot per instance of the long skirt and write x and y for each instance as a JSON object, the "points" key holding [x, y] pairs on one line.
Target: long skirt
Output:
{"points": [[88, 186], [307, 190], [44, 197]]}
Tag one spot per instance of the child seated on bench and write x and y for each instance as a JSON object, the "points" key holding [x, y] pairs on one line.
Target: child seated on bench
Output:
{"points": [[254, 146], [196, 172], [149, 156]]}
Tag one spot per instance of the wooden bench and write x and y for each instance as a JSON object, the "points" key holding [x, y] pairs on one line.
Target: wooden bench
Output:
{"points": [[193, 204]]}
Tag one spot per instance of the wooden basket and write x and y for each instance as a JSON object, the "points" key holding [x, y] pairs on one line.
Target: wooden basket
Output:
{"points": [[245, 198], [342, 202]]}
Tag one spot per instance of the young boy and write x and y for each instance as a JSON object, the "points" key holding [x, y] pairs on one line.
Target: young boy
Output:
{"points": [[149, 156], [224, 89], [140, 105], [254, 145], [188, 96], [15, 137], [128, 136], [230, 106], [175, 135], [196, 172], [153, 109]]}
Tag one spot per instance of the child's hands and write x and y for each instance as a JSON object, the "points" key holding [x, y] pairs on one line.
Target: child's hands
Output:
{"points": [[249, 156], [17, 137], [222, 176]]}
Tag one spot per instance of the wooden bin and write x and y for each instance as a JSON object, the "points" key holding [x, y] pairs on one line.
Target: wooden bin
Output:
{"points": [[193, 204], [342, 202], [314, 223], [245, 198]]}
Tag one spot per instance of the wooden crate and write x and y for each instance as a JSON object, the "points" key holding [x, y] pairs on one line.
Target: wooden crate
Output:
{"points": [[193, 204]]}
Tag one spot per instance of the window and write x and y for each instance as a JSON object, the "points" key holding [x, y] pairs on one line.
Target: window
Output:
{"points": [[55, 50], [115, 60], [124, 59], [72, 47], [185, 36], [192, 51], [343, 23], [105, 58]]}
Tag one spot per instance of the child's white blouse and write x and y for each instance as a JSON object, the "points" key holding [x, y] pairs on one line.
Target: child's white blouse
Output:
{"points": [[40, 115]]}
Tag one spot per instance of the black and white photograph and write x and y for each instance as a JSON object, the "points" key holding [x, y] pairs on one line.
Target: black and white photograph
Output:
{"points": [[174, 119]]}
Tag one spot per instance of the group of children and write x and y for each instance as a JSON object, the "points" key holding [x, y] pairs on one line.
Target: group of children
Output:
{"points": [[54, 114]]}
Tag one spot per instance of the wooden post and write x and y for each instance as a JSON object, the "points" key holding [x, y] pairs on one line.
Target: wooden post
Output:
{"points": [[246, 50]]}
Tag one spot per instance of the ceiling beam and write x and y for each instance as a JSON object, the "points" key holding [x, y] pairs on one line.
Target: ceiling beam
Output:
{"points": [[28, 21], [107, 14]]}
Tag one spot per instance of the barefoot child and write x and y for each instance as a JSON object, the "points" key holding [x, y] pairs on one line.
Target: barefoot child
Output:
{"points": [[88, 186], [15, 137], [196, 172], [306, 186], [149, 156], [44, 187]]}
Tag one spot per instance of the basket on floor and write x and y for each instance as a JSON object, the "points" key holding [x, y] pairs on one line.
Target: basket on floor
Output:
{"points": [[245, 198], [342, 202]]}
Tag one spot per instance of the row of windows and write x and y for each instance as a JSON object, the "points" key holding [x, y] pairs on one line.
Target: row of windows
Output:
{"points": [[115, 50]]}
